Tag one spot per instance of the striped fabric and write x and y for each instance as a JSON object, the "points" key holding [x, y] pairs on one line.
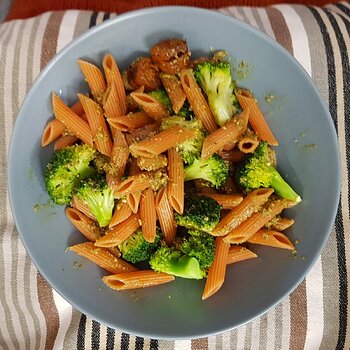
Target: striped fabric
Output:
{"points": [[314, 316]]}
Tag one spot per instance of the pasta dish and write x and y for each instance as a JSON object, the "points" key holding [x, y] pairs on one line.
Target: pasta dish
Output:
{"points": [[167, 168]]}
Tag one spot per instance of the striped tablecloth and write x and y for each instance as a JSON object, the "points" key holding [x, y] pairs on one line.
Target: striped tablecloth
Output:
{"points": [[314, 316]]}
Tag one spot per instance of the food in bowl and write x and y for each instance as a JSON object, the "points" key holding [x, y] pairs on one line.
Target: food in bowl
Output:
{"points": [[167, 164]]}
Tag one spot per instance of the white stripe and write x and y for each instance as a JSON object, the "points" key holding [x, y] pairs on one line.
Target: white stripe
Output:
{"points": [[182, 345], [286, 324], [266, 22], [226, 339], [103, 337], [67, 27], [241, 331], [234, 12], [37, 44], [212, 342], [255, 337], [99, 18], [249, 13], [271, 326], [298, 35], [8, 234], [314, 296], [65, 317]]}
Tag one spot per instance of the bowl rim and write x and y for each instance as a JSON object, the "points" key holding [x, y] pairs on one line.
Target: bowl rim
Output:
{"points": [[215, 15]]}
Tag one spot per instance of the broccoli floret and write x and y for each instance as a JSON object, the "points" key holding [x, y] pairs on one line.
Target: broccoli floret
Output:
{"points": [[201, 246], [216, 81], [256, 171], [162, 96], [200, 213], [66, 168], [172, 261], [214, 169], [136, 248], [98, 197], [190, 149]]}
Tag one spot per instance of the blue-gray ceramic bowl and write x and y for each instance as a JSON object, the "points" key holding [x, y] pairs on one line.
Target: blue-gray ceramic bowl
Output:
{"points": [[308, 156]]}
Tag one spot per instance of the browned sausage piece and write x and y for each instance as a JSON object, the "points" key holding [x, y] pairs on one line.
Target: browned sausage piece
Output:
{"points": [[143, 72], [171, 55]]}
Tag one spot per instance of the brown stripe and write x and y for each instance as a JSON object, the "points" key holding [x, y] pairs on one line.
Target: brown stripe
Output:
{"points": [[298, 318], [49, 44], [280, 28], [48, 308], [199, 344]]}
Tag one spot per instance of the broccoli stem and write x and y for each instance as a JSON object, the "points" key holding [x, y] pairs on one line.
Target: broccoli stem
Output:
{"points": [[282, 188], [185, 267]]}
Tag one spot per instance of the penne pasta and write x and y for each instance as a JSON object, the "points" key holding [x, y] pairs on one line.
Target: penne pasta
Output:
{"points": [[257, 220], [248, 143], [121, 213], [256, 117], [230, 132], [133, 183], [157, 162], [133, 199], [137, 279], [217, 271], [102, 257], [71, 120], [80, 206], [280, 223], [98, 125], [148, 215], [238, 253], [53, 130], [250, 204], [94, 79], [130, 121], [120, 155], [64, 141], [111, 104], [113, 76], [176, 191], [165, 215], [227, 201], [197, 100], [161, 142], [150, 105], [120, 232], [173, 87], [271, 238], [88, 227]]}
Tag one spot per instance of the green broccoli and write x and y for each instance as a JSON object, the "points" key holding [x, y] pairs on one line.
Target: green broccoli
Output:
{"points": [[136, 249], [162, 96], [190, 149], [256, 171], [66, 168], [200, 213], [214, 169], [216, 81], [172, 261], [98, 197], [201, 246]]}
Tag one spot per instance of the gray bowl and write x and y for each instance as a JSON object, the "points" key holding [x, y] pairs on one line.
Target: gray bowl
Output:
{"points": [[308, 156]]}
